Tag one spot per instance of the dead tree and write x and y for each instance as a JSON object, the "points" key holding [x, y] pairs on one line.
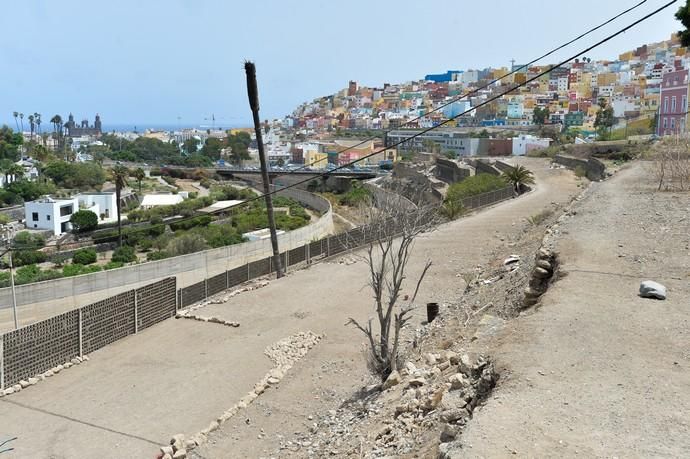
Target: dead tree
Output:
{"points": [[671, 165], [388, 237]]}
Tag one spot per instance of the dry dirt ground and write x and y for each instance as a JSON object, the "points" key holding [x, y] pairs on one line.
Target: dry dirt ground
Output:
{"points": [[597, 371], [178, 376]]}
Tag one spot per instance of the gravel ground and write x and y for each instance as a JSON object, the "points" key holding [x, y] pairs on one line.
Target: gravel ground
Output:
{"points": [[597, 371]]}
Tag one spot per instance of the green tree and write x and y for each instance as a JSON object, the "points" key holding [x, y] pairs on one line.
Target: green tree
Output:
{"points": [[190, 146], [84, 220], [519, 177], [119, 176], [9, 143], [540, 115], [683, 15], [212, 148], [139, 175], [604, 120]]}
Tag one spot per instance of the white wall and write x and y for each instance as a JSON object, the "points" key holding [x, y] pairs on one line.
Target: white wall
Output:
{"points": [[48, 214]]}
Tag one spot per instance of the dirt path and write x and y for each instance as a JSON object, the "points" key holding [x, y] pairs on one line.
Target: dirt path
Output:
{"points": [[324, 298], [180, 375], [598, 371]]}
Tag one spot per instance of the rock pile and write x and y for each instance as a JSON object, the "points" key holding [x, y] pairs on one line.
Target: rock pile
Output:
{"points": [[177, 449], [440, 395], [213, 319], [225, 297], [285, 353], [545, 266], [25, 383]]}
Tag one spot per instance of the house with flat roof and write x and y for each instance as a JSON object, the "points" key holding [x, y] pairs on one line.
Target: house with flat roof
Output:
{"points": [[50, 214]]}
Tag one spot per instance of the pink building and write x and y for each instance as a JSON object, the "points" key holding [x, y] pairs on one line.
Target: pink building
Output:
{"points": [[673, 106]]}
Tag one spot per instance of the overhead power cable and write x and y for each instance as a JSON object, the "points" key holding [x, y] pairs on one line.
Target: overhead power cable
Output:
{"points": [[489, 84], [424, 131]]}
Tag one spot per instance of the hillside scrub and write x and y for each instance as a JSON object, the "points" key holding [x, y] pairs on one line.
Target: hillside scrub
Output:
{"points": [[478, 184]]}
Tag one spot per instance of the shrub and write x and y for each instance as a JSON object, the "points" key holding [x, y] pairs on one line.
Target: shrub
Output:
{"points": [[157, 226], [84, 257], [27, 275], [158, 255], [28, 257], [452, 209], [201, 220], [124, 254], [27, 239], [187, 243], [113, 265], [4, 219], [169, 180], [477, 184], [77, 270], [84, 220]]}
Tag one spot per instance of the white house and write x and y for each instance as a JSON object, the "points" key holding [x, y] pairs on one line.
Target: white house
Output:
{"points": [[526, 143], [50, 214], [103, 204]]}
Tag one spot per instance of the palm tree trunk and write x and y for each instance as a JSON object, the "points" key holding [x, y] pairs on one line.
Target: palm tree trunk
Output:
{"points": [[119, 221]]}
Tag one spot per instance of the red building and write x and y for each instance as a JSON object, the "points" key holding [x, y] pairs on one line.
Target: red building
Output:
{"points": [[673, 109]]}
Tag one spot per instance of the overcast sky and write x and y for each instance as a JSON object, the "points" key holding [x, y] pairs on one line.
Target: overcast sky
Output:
{"points": [[150, 61]]}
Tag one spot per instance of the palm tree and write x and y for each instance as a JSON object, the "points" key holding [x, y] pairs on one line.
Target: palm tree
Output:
{"points": [[119, 176], [16, 115], [139, 175], [32, 125], [38, 122], [519, 177], [16, 171], [21, 120]]}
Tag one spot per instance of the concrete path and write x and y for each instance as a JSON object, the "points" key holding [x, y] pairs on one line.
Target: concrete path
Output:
{"points": [[598, 371]]}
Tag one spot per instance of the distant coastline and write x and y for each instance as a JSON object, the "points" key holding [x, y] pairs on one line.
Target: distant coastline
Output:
{"points": [[142, 127]]}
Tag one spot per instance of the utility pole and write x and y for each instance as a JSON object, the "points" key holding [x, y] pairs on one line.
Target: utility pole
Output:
{"points": [[14, 293], [8, 236], [253, 93]]}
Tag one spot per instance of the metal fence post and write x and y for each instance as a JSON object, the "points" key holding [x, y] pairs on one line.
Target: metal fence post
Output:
{"points": [[2, 362], [81, 333], [205, 288], [136, 313], [307, 253], [328, 246], [227, 280], [287, 261]]}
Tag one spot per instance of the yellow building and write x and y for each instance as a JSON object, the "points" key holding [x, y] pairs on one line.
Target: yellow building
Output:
{"points": [[606, 79], [626, 56], [315, 159]]}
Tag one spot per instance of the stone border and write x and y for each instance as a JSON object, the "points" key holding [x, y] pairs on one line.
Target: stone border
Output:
{"points": [[24, 384], [284, 354], [213, 320]]}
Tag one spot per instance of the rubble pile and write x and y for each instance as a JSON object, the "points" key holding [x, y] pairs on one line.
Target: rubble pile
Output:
{"points": [[438, 396]]}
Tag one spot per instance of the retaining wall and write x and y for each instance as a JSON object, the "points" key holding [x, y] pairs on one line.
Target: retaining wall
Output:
{"points": [[594, 169]]}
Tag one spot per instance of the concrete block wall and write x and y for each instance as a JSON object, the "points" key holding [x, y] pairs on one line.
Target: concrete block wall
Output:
{"points": [[38, 347]]}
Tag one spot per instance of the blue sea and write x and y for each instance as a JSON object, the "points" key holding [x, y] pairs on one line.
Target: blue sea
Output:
{"points": [[141, 127]]}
